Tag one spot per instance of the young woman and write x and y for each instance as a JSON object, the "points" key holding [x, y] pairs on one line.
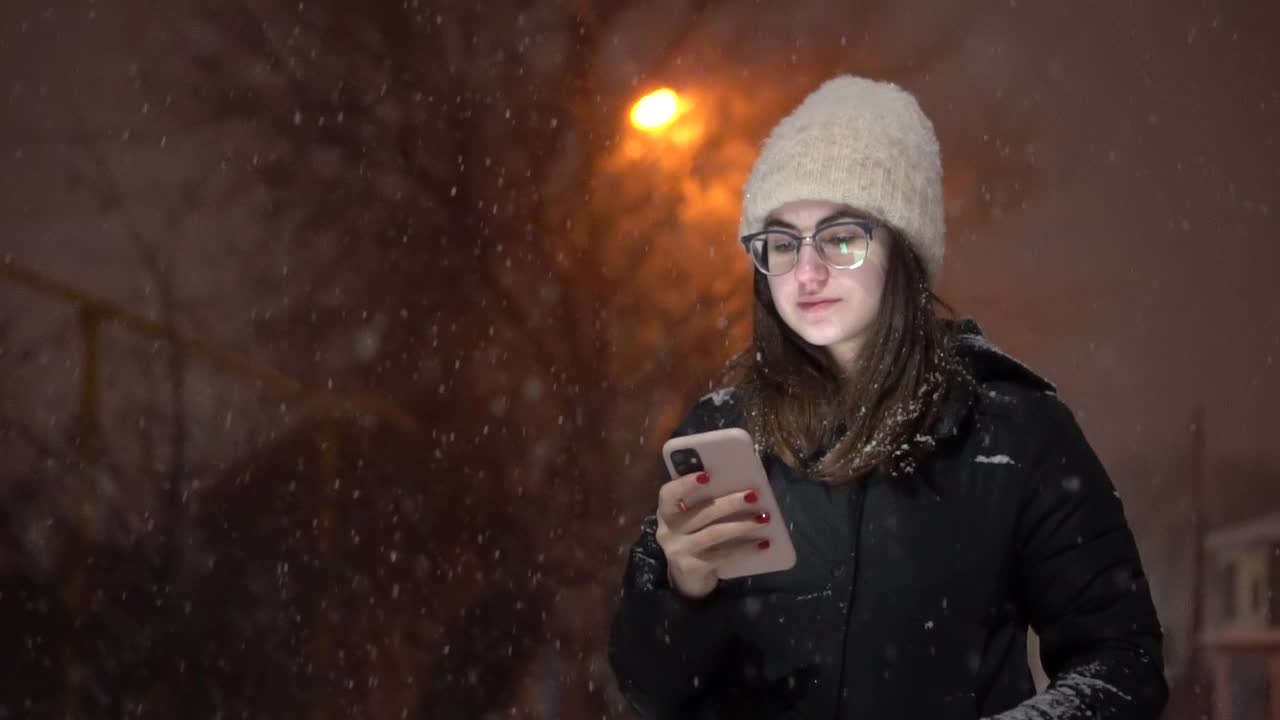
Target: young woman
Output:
{"points": [[941, 497]]}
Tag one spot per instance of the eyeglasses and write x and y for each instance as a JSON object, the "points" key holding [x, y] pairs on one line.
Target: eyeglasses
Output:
{"points": [[842, 245]]}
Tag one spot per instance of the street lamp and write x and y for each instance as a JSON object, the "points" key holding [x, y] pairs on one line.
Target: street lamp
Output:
{"points": [[655, 110]]}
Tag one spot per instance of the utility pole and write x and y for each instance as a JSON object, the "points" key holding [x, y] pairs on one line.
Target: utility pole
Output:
{"points": [[1195, 661]]}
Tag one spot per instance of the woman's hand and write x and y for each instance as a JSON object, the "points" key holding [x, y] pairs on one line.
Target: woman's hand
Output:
{"points": [[697, 540]]}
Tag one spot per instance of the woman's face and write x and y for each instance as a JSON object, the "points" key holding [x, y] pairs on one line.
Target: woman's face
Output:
{"points": [[830, 308]]}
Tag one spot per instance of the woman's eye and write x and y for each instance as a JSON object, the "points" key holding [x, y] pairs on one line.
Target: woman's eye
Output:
{"points": [[843, 244]]}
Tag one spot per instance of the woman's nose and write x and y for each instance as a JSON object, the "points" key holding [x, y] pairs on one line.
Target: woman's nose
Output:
{"points": [[809, 267]]}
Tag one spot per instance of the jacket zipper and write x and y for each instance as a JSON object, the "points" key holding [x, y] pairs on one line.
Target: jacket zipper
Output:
{"points": [[858, 500]]}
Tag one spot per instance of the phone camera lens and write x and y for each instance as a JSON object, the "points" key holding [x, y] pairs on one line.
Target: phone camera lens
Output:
{"points": [[686, 461]]}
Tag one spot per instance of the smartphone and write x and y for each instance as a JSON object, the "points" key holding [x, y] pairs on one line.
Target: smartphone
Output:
{"points": [[729, 456]]}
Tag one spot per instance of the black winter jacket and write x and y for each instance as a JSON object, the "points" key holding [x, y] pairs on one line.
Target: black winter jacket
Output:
{"points": [[911, 596]]}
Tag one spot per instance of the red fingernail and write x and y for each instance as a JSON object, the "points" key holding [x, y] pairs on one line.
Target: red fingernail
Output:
{"points": [[763, 544], [682, 506], [762, 518], [751, 496], [703, 478]]}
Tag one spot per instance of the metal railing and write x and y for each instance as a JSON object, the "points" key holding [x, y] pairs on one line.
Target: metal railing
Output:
{"points": [[93, 313]]}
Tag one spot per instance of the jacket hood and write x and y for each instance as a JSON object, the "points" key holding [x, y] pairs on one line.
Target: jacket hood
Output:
{"points": [[985, 364], [989, 363]]}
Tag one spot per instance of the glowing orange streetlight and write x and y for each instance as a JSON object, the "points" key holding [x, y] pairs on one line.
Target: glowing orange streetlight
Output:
{"points": [[655, 110]]}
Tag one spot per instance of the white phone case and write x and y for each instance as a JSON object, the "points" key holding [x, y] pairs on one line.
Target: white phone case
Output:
{"points": [[729, 456]]}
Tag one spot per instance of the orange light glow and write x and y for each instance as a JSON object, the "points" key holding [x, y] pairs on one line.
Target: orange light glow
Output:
{"points": [[655, 110]]}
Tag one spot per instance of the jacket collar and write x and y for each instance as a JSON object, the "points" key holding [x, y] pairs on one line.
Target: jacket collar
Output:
{"points": [[984, 363]]}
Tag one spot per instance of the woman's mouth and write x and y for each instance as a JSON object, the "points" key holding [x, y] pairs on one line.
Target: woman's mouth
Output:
{"points": [[815, 306]]}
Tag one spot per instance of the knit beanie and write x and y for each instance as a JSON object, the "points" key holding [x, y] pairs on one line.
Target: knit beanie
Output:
{"points": [[859, 142]]}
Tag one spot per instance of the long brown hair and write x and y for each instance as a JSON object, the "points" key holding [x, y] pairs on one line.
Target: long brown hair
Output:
{"points": [[839, 424]]}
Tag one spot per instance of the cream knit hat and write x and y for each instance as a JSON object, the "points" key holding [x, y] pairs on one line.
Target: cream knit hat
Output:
{"points": [[859, 142]]}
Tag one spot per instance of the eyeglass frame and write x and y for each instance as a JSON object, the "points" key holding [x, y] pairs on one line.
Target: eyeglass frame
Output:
{"points": [[868, 226]]}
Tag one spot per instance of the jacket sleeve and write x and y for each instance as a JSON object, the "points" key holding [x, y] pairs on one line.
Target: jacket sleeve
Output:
{"points": [[663, 646], [1082, 585]]}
